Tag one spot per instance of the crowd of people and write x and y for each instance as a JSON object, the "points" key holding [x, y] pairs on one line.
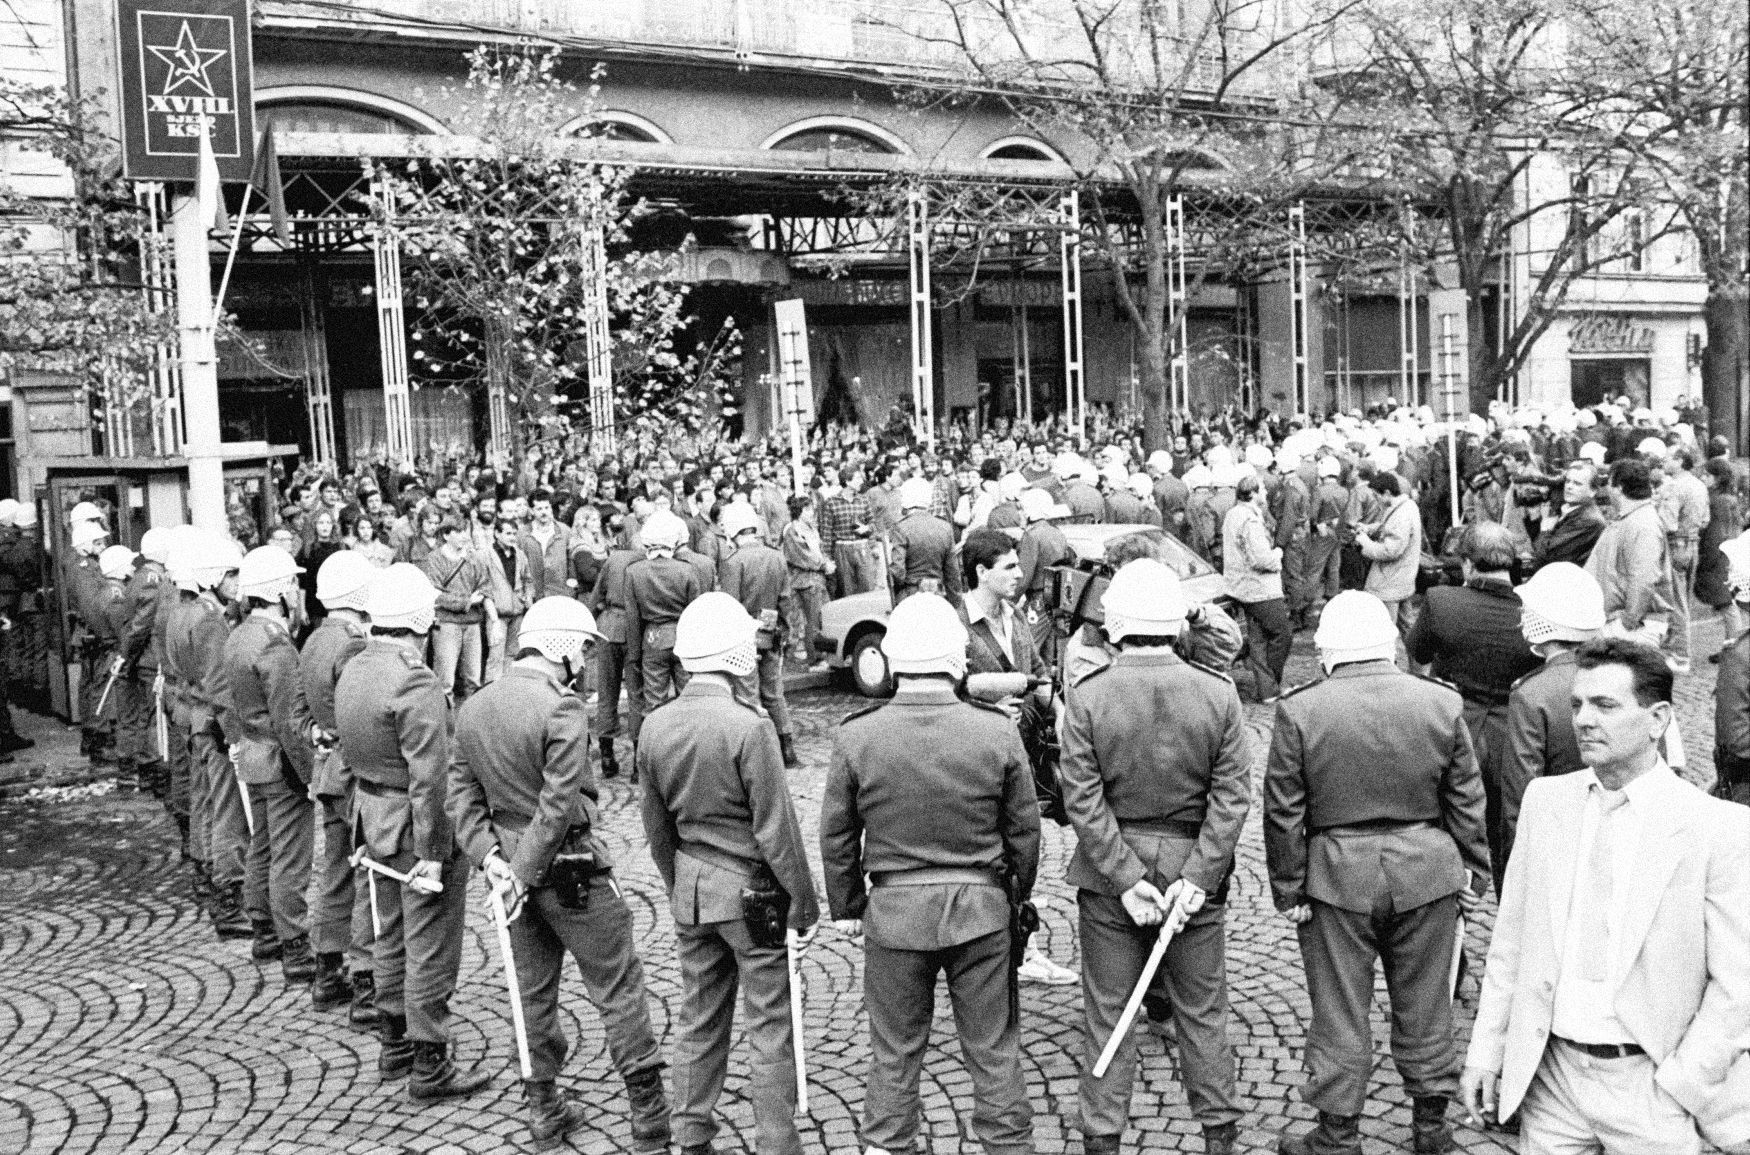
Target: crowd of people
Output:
{"points": [[409, 657]]}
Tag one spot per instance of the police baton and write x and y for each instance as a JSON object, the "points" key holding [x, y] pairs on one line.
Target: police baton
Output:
{"points": [[796, 1047], [422, 884], [115, 669], [1168, 929], [161, 722], [1457, 959], [501, 921]]}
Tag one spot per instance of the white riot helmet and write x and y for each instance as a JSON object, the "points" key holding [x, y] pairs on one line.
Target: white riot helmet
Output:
{"points": [[1355, 627], [1144, 599], [155, 543], [560, 627], [1036, 505], [1562, 603], [180, 551], [267, 572], [343, 581], [116, 562], [1652, 447], [1199, 477], [925, 636], [738, 518], [217, 557], [1330, 467], [715, 633], [85, 511], [662, 532], [88, 536], [1141, 485], [402, 597], [8, 507], [24, 516], [915, 493], [1737, 551]]}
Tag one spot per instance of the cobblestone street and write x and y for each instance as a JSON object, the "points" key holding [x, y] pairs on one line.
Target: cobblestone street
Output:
{"points": [[125, 1026]]}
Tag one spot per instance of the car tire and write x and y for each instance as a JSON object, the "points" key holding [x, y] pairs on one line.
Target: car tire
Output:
{"points": [[868, 665]]}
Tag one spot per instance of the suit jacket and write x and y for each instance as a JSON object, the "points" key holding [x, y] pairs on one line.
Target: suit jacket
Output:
{"points": [[1685, 998]]}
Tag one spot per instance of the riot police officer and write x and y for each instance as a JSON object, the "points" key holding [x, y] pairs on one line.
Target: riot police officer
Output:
{"points": [[723, 832], [922, 544], [81, 586], [616, 657], [108, 612], [657, 590], [1732, 691], [525, 808], [1155, 774], [1374, 828], [267, 723], [394, 726], [931, 797], [755, 575], [142, 655], [340, 926]]}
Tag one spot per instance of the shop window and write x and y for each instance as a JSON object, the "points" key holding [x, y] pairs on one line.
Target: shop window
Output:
{"points": [[1590, 382]]}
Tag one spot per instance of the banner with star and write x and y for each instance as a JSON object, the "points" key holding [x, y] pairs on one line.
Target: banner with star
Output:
{"points": [[185, 64]]}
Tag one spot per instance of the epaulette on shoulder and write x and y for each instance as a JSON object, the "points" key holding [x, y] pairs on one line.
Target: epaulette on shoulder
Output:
{"points": [[865, 711], [1441, 682], [991, 706], [1521, 679], [1304, 686], [410, 659], [1088, 675], [1211, 671]]}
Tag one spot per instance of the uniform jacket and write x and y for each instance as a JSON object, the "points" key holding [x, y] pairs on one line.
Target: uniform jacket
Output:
{"points": [[330, 646], [1125, 508], [143, 651], [1330, 504], [1633, 565], [717, 804], [1293, 510], [1042, 546], [1395, 551], [755, 576], [194, 658], [608, 600], [1732, 707], [519, 773], [111, 612], [1685, 997], [394, 724], [270, 715], [1573, 535], [1470, 636], [703, 565], [512, 593], [921, 548], [1371, 744], [1171, 497], [1151, 740], [84, 582], [928, 781], [1540, 731], [657, 590], [1252, 564], [548, 567], [1084, 501]]}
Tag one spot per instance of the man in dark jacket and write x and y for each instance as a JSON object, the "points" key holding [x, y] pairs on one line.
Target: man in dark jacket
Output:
{"points": [[1374, 835], [1569, 534]]}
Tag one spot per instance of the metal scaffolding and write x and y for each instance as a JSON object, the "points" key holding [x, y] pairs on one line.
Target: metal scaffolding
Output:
{"points": [[604, 437], [923, 352], [1075, 387], [1179, 302], [392, 335], [318, 394], [1300, 291], [158, 275]]}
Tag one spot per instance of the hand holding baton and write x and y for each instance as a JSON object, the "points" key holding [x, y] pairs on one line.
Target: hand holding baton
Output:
{"points": [[501, 922], [115, 669], [417, 881], [793, 948], [1176, 918]]}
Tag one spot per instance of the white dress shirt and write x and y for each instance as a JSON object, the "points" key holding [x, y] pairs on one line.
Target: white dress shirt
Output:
{"points": [[1585, 1010]]}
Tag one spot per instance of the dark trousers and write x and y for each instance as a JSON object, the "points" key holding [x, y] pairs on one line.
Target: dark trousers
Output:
{"points": [[418, 953], [132, 697], [211, 773], [186, 798], [663, 676], [281, 851], [766, 685], [1297, 589], [1339, 947], [717, 960], [1323, 567], [612, 671], [599, 939], [341, 920], [1488, 733], [1269, 637], [1194, 973], [899, 994]]}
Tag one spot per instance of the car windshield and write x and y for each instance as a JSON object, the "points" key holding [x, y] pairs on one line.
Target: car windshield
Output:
{"points": [[1090, 541]]}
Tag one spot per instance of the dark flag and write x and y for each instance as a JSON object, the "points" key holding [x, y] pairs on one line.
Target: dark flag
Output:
{"points": [[265, 177]]}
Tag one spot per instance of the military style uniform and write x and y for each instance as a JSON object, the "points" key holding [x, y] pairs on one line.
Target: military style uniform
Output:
{"points": [[1540, 735], [1042, 546], [520, 783], [136, 741], [932, 798], [1292, 508], [394, 724], [1732, 722], [341, 922], [267, 723], [109, 613], [1374, 817], [1330, 502], [616, 654], [1155, 772], [718, 814], [921, 546], [657, 590], [83, 586], [755, 575]]}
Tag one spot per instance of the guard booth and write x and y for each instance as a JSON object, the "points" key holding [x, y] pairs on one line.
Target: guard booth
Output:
{"points": [[136, 493]]}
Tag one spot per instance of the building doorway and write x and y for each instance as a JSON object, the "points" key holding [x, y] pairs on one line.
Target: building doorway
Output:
{"points": [[1591, 381]]}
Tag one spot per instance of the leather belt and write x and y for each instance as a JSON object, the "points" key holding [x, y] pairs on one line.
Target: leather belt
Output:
{"points": [[1375, 826], [937, 876], [1166, 829], [377, 789], [1603, 1050], [722, 859]]}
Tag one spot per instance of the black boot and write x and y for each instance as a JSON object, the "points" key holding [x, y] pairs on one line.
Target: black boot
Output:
{"points": [[700, 1149], [297, 964], [436, 1077], [650, 1130], [14, 742], [181, 821], [266, 946], [632, 774], [1433, 1134], [1101, 1144], [787, 745], [200, 884], [394, 1048], [1220, 1140], [610, 764], [330, 988], [229, 921], [363, 1013], [551, 1114], [127, 774], [1335, 1135]]}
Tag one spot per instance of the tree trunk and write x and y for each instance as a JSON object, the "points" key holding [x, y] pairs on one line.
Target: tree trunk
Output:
{"points": [[1157, 419], [1725, 366], [1482, 366]]}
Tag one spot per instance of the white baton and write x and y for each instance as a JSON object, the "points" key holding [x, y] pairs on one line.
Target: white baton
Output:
{"points": [[421, 884], [1168, 929], [796, 1045], [502, 922]]}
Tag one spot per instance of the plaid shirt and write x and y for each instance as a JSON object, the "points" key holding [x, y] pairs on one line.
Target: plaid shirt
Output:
{"points": [[843, 513]]}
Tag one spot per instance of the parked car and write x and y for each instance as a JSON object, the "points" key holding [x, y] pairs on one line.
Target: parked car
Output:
{"points": [[851, 628]]}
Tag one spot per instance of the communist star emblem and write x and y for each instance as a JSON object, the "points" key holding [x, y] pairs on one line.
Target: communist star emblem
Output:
{"points": [[188, 62]]}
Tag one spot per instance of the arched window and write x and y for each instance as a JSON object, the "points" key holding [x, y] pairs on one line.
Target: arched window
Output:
{"points": [[315, 108], [835, 134], [620, 126], [1021, 148]]}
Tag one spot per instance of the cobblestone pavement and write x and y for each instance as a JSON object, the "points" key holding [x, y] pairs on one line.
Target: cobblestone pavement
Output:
{"points": [[124, 1025]]}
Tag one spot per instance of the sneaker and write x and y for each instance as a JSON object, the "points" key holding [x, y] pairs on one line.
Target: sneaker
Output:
{"points": [[1678, 665], [820, 667], [1036, 968]]}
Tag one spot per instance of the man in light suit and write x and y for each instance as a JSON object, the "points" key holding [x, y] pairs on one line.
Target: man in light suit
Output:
{"points": [[1615, 1010]]}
